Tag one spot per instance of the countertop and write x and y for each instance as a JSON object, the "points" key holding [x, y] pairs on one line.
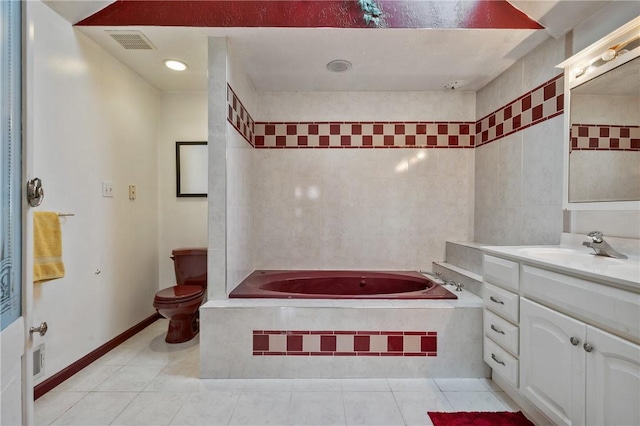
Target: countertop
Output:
{"points": [[572, 258]]}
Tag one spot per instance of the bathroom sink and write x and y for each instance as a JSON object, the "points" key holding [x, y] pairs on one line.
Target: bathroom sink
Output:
{"points": [[573, 259]]}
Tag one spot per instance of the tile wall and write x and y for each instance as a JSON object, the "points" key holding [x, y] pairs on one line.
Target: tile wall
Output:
{"points": [[394, 208], [323, 339], [518, 175], [349, 207], [240, 158]]}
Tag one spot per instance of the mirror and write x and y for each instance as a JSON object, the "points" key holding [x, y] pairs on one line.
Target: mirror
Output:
{"points": [[604, 159], [191, 169]]}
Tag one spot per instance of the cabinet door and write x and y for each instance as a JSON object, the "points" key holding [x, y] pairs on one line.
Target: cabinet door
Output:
{"points": [[613, 380], [552, 368]]}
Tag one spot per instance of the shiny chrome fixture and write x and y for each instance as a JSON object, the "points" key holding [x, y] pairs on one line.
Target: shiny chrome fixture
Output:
{"points": [[438, 275], [601, 247]]}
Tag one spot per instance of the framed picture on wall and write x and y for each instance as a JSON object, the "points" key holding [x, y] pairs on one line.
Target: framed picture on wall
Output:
{"points": [[191, 169]]}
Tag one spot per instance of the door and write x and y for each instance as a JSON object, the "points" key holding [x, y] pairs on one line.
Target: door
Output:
{"points": [[12, 322], [613, 380], [16, 229], [552, 362]]}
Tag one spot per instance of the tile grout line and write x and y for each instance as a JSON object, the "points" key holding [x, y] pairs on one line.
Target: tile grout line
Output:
{"points": [[125, 407]]}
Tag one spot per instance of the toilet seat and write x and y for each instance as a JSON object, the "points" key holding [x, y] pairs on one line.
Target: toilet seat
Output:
{"points": [[179, 294]]}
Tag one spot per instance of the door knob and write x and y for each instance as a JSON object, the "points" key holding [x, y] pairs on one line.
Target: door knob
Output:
{"points": [[574, 341], [42, 329], [587, 347], [35, 192]]}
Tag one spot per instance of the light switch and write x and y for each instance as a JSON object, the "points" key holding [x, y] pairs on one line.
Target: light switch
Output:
{"points": [[132, 192], [107, 189]]}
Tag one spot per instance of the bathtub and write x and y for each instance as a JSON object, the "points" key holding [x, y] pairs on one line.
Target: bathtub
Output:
{"points": [[284, 324], [339, 285]]}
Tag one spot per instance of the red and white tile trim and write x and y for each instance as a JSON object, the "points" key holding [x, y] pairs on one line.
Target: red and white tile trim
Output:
{"points": [[605, 137], [239, 117], [360, 134], [542, 103], [344, 343]]}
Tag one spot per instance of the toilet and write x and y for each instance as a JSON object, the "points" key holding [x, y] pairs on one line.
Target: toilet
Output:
{"points": [[180, 303]]}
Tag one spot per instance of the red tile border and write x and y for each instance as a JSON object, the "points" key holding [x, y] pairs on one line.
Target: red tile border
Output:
{"points": [[536, 106], [241, 120], [344, 343], [349, 134], [540, 104]]}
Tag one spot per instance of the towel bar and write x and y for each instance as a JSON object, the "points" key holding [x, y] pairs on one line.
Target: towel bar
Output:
{"points": [[66, 214]]}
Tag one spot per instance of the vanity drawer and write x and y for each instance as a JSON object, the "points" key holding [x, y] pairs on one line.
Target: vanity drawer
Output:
{"points": [[611, 308], [501, 361], [502, 272], [501, 331], [502, 302]]}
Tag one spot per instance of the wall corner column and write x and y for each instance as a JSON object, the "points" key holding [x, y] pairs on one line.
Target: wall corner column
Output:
{"points": [[217, 141]]}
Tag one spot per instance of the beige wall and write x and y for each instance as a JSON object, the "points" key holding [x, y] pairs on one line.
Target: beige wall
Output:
{"points": [[182, 221], [93, 120]]}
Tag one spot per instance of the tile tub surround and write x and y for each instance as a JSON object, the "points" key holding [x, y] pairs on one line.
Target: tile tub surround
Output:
{"points": [[542, 103], [535, 106], [228, 351]]}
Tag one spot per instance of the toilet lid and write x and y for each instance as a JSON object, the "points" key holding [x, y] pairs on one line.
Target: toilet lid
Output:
{"points": [[179, 293]]}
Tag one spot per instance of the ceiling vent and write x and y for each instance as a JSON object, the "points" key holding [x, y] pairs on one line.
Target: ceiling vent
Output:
{"points": [[132, 40]]}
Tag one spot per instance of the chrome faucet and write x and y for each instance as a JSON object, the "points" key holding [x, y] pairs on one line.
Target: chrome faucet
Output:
{"points": [[601, 247], [438, 276]]}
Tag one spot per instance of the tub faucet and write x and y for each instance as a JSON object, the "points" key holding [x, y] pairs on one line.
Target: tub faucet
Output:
{"points": [[601, 247], [438, 276]]}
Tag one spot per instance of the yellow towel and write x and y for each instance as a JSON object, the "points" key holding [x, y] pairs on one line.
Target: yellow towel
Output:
{"points": [[47, 247]]}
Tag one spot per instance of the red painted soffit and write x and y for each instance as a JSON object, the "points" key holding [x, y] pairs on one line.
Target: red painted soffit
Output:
{"points": [[311, 14]]}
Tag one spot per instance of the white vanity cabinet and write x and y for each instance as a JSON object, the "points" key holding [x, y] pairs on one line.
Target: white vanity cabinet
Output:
{"points": [[552, 364], [566, 345], [501, 316], [575, 373]]}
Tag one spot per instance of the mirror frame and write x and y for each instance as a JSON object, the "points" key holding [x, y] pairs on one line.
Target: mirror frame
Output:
{"points": [[186, 192], [579, 61]]}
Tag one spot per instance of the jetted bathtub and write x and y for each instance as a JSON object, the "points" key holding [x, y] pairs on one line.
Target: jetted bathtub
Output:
{"points": [[339, 285]]}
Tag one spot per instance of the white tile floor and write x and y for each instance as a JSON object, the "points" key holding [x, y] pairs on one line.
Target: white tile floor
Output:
{"points": [[148, 382]]}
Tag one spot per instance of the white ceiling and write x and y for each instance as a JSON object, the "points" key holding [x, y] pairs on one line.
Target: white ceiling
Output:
{"points": [[294, 59]]}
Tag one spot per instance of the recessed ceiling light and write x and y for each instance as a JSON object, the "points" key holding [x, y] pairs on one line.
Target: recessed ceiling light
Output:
{"points": [[339, 65], [175, 65]]}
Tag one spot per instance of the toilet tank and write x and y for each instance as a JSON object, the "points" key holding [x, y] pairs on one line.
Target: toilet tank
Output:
{"points": [[190, 265]]}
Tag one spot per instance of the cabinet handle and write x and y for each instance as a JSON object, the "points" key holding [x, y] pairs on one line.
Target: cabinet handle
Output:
{"points": [[494, 300], [587, 347], [495, 358], [574, 341], [497, 330]]}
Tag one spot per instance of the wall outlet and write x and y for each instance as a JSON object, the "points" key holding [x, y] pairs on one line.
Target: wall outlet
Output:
{"points": [[107, 189], [132, 192]]}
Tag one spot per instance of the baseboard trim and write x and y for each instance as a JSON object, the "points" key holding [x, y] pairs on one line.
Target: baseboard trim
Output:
{"points": [[62, 375]]}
